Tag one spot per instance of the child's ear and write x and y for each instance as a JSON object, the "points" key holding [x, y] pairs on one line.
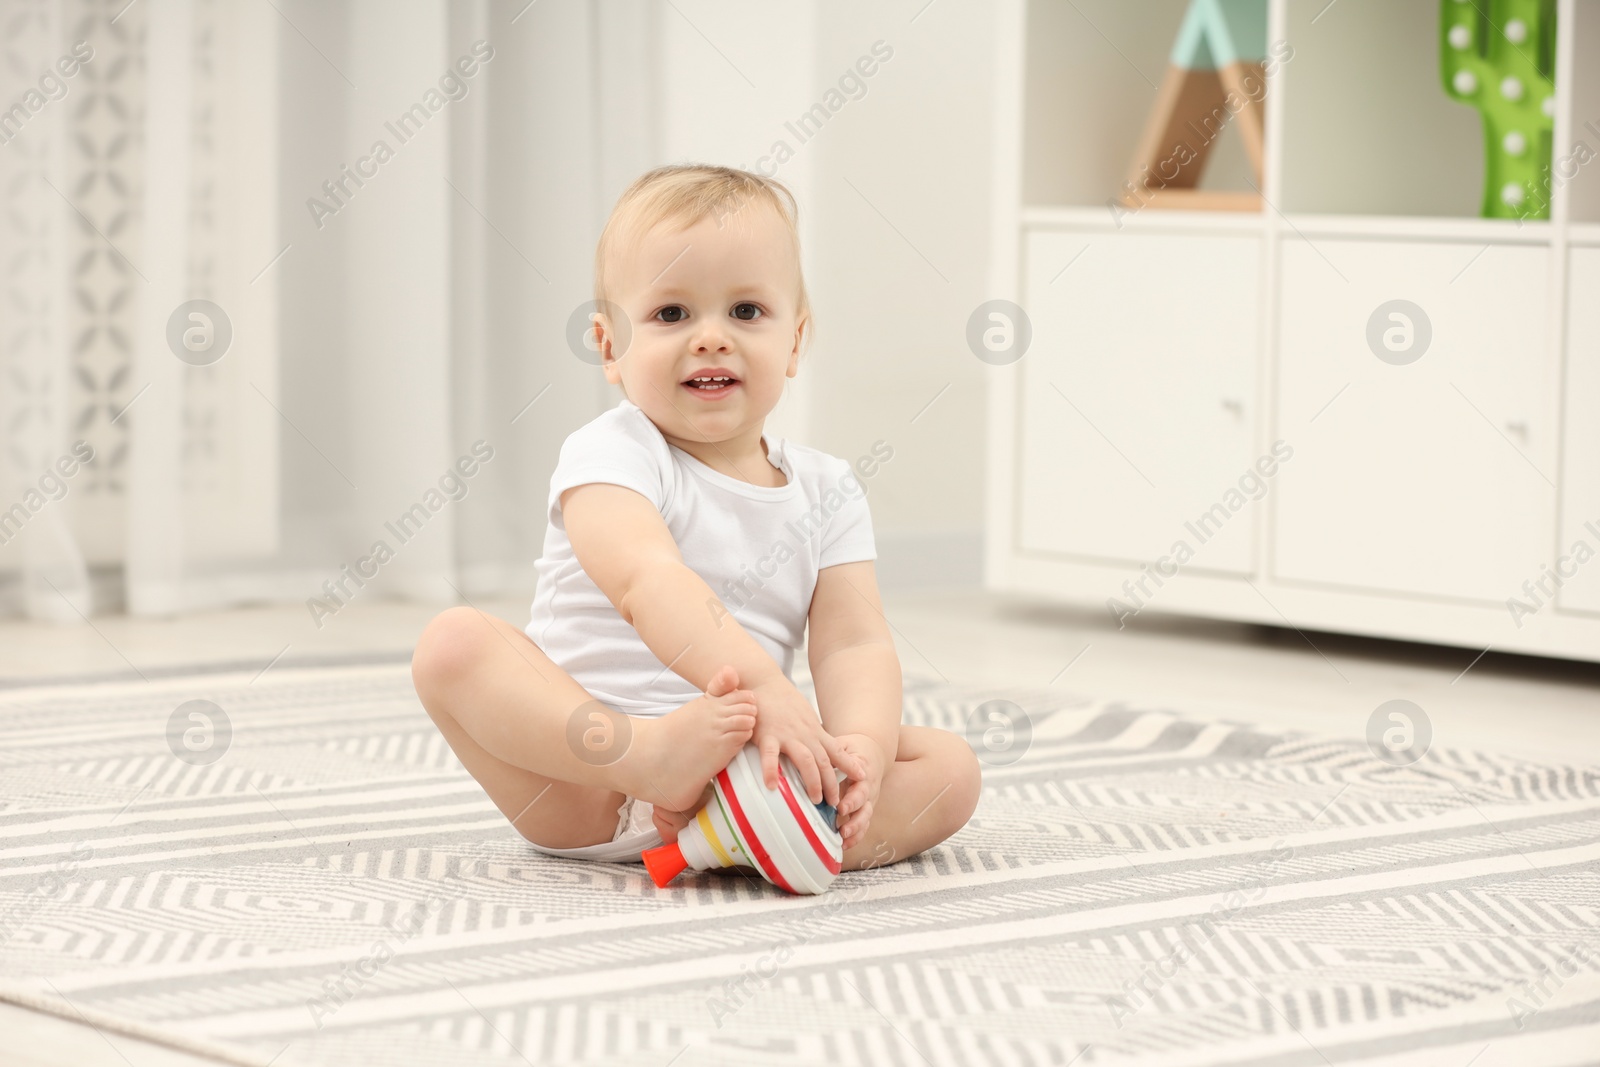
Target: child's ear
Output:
{"points": [[604, 336], [802, 330]]}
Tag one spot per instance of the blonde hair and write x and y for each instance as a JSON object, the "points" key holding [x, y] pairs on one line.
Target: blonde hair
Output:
{"points": [[683, 194]]}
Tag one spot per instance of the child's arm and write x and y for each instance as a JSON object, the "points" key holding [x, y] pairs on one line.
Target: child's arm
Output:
{"points": [[856, 672], [623, 544]]}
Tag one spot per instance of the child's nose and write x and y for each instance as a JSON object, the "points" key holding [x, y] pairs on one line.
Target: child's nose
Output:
{"points": [[711, 338]]}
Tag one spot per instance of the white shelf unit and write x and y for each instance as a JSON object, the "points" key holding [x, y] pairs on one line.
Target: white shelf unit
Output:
{"points": [[1172, 349]]}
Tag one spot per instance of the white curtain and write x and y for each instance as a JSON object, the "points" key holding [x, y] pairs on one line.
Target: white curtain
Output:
{"points": [[392, 211]]}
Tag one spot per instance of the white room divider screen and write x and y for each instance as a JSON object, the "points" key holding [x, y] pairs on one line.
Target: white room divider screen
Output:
{"points": [[139, 169], [387, 311]]}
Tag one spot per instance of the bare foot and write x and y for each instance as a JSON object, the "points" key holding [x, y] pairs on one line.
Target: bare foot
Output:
{"points": [[669, 824], [673, 757]]}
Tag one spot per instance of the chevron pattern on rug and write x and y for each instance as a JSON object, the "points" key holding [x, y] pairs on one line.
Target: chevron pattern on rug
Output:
{"points": [[1142, 886]]}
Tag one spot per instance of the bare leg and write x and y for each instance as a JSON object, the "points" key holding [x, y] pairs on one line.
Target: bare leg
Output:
{"points": [[523, 728], [928, 793]]}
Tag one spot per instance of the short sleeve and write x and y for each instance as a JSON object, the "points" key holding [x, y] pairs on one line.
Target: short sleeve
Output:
{"points": [[847, 537], [614, 450]]}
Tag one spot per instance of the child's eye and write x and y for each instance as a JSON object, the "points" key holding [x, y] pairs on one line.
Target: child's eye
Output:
{"points": [[672, 313], [747, 312]]}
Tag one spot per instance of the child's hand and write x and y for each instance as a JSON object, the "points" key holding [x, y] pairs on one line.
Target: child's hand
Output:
{"points": [[787, 724], [855, 808]]}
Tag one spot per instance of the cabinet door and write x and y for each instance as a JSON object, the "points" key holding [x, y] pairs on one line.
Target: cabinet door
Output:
{"points": [[1138, 395], [1580, 490], [1424, 456]]}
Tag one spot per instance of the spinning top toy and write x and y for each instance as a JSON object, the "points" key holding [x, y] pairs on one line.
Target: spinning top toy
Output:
{"points": [[794, 843]]}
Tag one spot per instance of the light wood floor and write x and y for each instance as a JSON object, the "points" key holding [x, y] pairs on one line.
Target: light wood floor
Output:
{"points": [[1322, 682]]}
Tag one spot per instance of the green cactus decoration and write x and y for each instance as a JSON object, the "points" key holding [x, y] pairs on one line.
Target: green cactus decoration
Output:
{"points": [[1499, 56]]}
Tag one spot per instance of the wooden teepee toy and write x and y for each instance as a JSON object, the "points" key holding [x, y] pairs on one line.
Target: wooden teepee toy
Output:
{"points": [[794, 843], [1215, 74]]}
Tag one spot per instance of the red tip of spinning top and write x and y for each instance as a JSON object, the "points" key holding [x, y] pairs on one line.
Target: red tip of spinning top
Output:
{"points": [[665, 862]]}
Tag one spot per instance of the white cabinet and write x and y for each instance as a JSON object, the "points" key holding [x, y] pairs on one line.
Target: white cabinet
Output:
{"points": [[1580, 494], [1173, 347], [1138, 393], [1420, 470]]}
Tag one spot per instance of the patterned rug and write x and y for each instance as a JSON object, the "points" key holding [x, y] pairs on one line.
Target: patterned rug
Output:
{"points": [[306, 876]]}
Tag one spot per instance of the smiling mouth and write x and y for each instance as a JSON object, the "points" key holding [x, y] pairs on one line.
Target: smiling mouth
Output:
{"points": [[711, 386]]}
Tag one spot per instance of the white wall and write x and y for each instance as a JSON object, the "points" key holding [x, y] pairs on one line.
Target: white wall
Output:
{"points": [[729, 74], [894, 197]]}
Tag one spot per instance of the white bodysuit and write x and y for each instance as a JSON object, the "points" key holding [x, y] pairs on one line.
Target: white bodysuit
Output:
{"points": [[759, 548]]}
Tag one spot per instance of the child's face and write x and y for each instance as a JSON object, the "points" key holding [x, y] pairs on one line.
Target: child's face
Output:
{"points": [[720, 298]]}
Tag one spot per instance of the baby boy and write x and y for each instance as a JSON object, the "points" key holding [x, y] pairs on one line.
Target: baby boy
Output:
{"points": [[673, 591]]}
